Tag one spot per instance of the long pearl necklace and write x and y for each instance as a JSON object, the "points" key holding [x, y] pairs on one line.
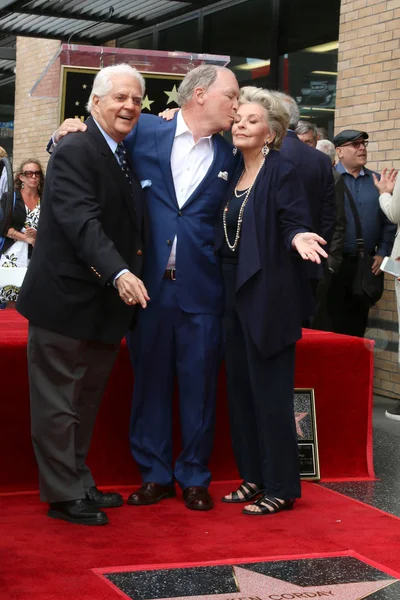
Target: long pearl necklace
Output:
{"points": [[233, 246]]}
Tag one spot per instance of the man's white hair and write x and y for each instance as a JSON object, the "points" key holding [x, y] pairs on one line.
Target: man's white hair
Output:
{"points": [[327, 148], [291, 107], [102, 84]]}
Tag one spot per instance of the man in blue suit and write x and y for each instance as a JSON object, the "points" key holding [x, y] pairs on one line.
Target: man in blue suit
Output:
{"points": [[315, 171], [179, 334]]}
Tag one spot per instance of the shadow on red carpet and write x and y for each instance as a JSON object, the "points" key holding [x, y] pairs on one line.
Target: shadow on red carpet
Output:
{"points": [[45, 559]]}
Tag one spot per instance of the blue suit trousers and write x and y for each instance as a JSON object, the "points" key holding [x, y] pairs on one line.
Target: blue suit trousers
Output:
{"points": [[169, 343]]}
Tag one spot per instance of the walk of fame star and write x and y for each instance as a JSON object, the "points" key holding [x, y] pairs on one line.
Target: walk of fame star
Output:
{"points": [[172, 95], [255, 586], [299, 417], [146, 102]]}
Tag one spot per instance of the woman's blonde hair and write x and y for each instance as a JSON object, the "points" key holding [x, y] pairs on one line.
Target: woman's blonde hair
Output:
{"points": [[275, 113]]}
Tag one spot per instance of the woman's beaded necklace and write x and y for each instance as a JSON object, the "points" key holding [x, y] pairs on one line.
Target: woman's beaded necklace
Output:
{"points": [[246, 194]]}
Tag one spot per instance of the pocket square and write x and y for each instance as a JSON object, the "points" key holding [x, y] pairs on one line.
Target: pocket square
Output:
{"points": [[223, 175], [145, 183]]}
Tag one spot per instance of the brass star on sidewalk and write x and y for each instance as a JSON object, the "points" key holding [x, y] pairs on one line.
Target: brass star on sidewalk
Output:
{"points": [[146, 102], [299, 417], [172, 95], [256, 586]]}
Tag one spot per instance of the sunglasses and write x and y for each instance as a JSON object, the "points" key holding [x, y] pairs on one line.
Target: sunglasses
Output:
{"points": [[31, 173], [356, 145]]}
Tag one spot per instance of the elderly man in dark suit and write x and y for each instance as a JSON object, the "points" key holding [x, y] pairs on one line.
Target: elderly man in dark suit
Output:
{"points": [[80, 292], [315, 171]]}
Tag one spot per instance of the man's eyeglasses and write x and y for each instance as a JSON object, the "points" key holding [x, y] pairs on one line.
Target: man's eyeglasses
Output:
{"points": [[356, 145], [31, 173]]}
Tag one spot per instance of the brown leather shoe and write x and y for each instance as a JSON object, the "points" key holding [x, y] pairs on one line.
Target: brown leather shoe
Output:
{"points": [[197, 497], [151, 493]]}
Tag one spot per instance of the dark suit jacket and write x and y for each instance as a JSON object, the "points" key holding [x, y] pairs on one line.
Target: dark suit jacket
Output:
{"points": [[339, 232], [315, 171], [91, 227], [273, 296]]}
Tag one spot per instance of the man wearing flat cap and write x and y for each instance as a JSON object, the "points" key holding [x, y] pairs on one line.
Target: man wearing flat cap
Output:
{"points": [[348, 312]]}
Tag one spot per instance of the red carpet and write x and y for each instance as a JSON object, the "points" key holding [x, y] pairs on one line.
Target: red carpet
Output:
{"points": [[338, 367], [44, 559]]}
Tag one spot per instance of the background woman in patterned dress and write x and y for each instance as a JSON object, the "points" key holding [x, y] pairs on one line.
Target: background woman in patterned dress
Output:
{"points": [[21, 236]]}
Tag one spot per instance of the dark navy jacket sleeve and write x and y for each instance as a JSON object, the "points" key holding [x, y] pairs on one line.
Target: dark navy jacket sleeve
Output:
{"points": [[292, 206]]}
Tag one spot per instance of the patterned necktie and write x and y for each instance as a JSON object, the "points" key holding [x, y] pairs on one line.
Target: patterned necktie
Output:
{"points": [[123, 163]]}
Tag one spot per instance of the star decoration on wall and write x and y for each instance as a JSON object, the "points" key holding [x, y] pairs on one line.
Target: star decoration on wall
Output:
{"points": [[146, 102], [77, 103], [299, 417], [262, 587], [172, 95]]}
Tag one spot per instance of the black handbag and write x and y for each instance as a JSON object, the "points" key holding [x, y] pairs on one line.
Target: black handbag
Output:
{"points": [[366, 285]]}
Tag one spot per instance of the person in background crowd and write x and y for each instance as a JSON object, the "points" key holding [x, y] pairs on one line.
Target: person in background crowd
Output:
{"points": [[21, 236], [307, 133], [263, 230], [189, 165], [315, 171], [322, 134], [389, 200], [80, 292], [334, 260], [348, 312]]}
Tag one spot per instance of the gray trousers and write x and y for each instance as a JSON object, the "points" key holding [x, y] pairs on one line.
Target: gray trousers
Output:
{"points": [[67, 379]]}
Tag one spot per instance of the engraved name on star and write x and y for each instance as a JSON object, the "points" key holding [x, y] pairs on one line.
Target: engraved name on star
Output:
{"points": [[172, 95], [255, 586], [146, 102]]}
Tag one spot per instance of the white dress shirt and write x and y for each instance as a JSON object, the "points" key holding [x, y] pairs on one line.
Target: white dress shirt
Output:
{"points": [[190, 162]]}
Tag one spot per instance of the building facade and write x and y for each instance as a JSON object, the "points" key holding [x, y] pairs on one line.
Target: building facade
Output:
{"points": [[340, 60]]}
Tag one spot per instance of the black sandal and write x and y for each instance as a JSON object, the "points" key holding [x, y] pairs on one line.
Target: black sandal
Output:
{"points": [[269, 505], [247, 490]]}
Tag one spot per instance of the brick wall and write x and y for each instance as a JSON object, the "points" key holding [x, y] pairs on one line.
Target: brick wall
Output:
{"points": [[368, 98], [36, 117]]}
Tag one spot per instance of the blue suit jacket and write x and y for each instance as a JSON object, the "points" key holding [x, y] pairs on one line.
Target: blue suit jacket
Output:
{"points": [[315, 171], [198, 277], [273, 296]]}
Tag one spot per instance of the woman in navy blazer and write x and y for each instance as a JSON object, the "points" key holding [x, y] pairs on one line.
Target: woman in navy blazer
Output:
{"points": [[263, 234]]}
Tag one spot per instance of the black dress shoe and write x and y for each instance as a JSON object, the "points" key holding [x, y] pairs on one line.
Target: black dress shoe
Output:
{"points": [[197, 497], [102, 500], [81, 512], [151, 493]]}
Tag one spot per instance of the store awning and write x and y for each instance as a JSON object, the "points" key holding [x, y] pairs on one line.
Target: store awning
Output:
{"points": [[81, 21]]}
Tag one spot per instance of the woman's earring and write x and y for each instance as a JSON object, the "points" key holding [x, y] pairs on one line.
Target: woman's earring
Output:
{"points": [[234, 151], [22, 185], [265, 150]]}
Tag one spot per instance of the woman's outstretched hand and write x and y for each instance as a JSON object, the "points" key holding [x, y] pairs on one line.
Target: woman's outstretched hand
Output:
{"points": [[386, 183], [308, 246]]}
